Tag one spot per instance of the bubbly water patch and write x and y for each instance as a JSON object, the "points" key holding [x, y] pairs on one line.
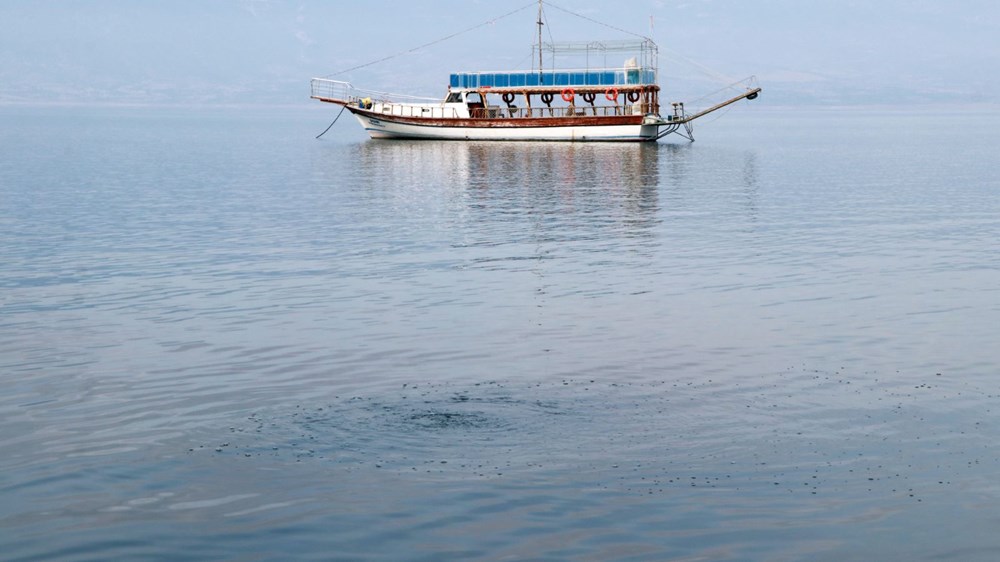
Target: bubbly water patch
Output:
{"points": [[483, 425], [442, 421], [834, 435]]}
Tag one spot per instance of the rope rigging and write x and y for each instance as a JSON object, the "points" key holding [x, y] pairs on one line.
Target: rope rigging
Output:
{"points": [[717, 76], [435, 42], [592, 20], [732, 86]]}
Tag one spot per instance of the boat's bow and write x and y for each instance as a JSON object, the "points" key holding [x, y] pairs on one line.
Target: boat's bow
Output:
{"points": [[332, 91]]}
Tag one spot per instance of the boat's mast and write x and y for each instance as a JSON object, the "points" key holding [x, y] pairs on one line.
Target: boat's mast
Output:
{"points": [[540, 41]]}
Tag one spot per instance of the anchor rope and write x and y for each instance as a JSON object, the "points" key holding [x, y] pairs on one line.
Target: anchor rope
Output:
{"points": [[342, 108]]}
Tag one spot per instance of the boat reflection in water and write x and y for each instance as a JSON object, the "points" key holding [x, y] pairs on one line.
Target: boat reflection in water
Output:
{"points": [[596, 185]]}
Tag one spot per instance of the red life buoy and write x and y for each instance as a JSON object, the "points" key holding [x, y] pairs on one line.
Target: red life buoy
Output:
{"points": [[568, 94], [611, 94]]}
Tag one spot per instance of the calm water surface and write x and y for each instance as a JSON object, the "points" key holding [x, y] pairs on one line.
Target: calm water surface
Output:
{"points": [[223, 339]]}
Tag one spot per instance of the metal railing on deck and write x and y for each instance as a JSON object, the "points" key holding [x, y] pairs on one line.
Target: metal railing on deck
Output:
{"points": [[413, 110], [323, 88], [331, 89], [498, 112]]}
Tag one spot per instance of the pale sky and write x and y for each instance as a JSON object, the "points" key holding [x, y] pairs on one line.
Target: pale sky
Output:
{"points": [[822, 52]]}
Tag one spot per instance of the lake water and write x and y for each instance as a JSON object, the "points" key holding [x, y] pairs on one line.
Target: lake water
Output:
{"points": [[222, 339]]}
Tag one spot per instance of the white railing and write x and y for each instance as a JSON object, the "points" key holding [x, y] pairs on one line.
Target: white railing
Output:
{"points": [[332, 89], [323, 88], [414, 110], [498, 112]]}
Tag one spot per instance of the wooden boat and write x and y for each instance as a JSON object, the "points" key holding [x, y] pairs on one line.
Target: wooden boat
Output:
{"points": [[576, 104]]}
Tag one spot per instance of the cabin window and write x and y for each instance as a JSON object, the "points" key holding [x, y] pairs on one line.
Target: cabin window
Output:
{"points": [[454, 97]]}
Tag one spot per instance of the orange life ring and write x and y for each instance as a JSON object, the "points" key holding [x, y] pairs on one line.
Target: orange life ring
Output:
{"points": [[611, 94], [568, 94]]}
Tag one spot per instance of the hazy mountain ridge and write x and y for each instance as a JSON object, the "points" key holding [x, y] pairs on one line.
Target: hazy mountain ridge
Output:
{"points": [[116, 51]]}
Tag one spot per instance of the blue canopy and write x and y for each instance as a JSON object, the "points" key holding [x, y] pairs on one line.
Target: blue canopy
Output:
{"points": [[624, 77]]}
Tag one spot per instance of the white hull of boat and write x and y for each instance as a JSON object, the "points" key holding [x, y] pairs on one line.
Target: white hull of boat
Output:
{"points": [[386, 128]]}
